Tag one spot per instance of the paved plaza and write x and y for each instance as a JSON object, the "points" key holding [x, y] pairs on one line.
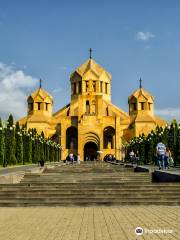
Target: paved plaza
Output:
{"points": [[88, 223]]}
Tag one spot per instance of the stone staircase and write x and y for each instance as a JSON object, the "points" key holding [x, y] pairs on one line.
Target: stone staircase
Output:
{"points": [[89, 184]]}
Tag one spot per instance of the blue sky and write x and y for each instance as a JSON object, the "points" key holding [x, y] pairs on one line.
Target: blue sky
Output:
{"points": [[49, 39]]}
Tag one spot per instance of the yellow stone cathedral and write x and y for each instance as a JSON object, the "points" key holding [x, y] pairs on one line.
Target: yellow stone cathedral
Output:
{"points": [[91, 125]]}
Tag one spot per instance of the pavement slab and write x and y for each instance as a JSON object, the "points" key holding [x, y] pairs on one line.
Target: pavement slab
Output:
{"points": [[89, 223]]}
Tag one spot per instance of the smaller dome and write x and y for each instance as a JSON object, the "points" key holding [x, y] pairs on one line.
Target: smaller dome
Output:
{"points": [[141, 92], [40, 93]]}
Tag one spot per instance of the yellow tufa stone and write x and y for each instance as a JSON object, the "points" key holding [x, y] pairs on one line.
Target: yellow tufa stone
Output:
{"points": [[90, 125]]}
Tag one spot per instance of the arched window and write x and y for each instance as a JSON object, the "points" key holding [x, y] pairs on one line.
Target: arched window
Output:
{"points": [[87, 86], [149, 106], [87, 107], [142, 105], [94, 86], [71, 138], [101, 86], [109, 137], [106, 88], [80, 87], [47, 106], [93, 107], [107, 111], [39, 105]]}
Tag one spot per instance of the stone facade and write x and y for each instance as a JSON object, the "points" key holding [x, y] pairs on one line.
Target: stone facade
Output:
{"points": [[90, 125]]}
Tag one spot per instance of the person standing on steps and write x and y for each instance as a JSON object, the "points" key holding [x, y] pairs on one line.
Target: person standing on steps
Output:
{"points": [[160, 152], [167, 158], [78, 159], [132, 156], [71, 158]]}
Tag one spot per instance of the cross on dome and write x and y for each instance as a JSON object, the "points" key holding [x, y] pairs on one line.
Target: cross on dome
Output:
{"points": [[140, 83], [90, 53], [40, 83]]}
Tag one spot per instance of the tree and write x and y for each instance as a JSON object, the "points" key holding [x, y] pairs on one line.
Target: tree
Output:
{"points": [[149, 149], [1, 144], [27, 146], [34, 147], [19, 144], [142, 149], [10, 142]]}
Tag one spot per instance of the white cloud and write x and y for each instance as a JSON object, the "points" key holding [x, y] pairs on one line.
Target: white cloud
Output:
{"points": [[144, 36], [169, 113], [13, 86]]}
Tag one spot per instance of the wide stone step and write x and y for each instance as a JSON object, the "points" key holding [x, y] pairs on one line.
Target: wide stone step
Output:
{"points": [[94, 190], [28, 195], [90, 185], [91, 191], [87, 204], [79, 201], [88, 174], [88, 177], [93, 181], [91, 199]]}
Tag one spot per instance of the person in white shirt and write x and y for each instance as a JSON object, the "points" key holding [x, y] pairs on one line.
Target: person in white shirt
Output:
{"points": [[71, 157], [160, 152], [132, 155]]}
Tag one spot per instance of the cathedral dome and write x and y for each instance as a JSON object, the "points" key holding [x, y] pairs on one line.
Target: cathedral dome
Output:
{"points": [[40, 101], [90, 79], [42, 94], [90, 69], [141, 101], [141, 92]]}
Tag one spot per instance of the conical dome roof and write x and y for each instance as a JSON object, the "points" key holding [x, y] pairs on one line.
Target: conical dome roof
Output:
{"points": [[140, 92], [42, 94], [91, 66]]}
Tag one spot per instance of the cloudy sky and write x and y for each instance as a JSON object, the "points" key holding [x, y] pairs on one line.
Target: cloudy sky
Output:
{"points": [[49, 39]]}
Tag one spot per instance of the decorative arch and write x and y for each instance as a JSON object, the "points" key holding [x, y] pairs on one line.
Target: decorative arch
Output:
{"points": [[92, 137], [109, 137], [71, 138]]}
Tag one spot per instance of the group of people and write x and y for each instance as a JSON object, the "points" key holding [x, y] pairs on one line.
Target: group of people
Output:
{"points": [[71, 158], [164, 158], [134, 157], [109, 158]]}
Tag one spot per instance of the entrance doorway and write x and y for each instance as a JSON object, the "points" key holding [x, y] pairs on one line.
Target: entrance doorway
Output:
{"points": [[90, 151]]}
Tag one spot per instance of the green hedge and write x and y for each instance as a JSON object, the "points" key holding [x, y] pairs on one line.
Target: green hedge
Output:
{"points": [[145, 146], [19, 145]]}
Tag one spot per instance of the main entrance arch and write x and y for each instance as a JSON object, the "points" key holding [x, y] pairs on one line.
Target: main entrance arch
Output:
{"points": [[90, 151]]}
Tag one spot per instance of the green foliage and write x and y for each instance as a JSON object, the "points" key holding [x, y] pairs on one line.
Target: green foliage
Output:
{"points": [[2, 146], [10, 142], [145, 146], [21, 146]]}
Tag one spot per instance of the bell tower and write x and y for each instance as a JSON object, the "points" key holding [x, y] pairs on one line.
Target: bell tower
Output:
{"points": [[40, 102], [141, 102], [89, 83]]}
